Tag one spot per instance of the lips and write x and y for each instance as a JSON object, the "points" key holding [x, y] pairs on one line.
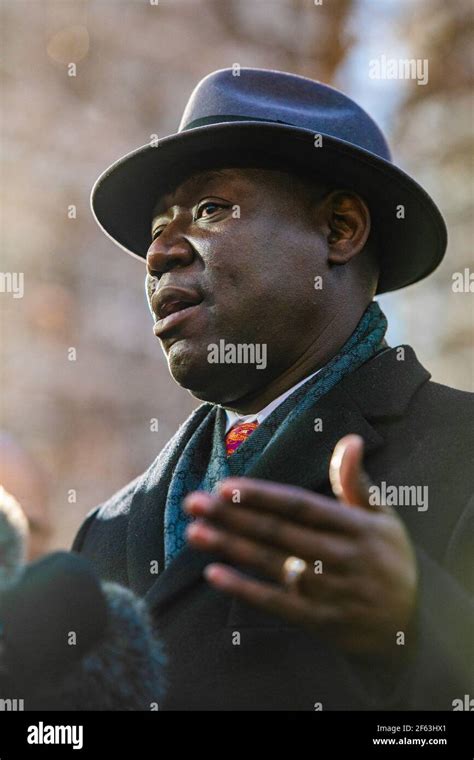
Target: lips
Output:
{"points": [[169, 300], [172, 306]]}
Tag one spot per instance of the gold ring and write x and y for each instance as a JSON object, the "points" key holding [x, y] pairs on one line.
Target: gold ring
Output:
{"points": [[293, 569]]}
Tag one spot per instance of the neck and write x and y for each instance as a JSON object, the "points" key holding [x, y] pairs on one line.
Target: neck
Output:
{"points": [[329, 341]]}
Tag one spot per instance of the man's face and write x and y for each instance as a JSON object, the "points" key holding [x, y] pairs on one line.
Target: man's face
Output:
{"points": [[243, 246]]}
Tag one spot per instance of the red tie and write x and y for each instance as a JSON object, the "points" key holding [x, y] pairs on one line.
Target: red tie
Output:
{"points": [[238, 435]]}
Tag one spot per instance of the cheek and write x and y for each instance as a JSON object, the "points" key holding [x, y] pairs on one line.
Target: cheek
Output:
{"points": [[264, 271], [227, 275], [239, 262]]}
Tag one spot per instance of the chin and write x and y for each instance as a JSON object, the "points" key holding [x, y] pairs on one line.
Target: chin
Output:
{"points": [[189, 368], [206, 382], [203, 385]]}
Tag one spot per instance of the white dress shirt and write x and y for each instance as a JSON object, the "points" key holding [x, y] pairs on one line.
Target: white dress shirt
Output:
{"points": [[233, 418]]}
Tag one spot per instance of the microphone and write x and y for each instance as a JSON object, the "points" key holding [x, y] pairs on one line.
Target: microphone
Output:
{"points": [[71, 642]]}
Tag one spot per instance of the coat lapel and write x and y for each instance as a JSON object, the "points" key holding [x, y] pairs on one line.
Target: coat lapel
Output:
{"points": [[183, 572], [300, 457]]}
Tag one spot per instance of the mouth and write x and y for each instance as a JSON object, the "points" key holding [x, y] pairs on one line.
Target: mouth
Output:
{"points": [[172, 307]]}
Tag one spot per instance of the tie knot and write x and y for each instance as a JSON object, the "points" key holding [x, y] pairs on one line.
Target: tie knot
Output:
{"points": [[238, 435]]}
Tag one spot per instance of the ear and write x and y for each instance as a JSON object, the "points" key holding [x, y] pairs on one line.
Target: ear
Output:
{"points": [[347, 224]]}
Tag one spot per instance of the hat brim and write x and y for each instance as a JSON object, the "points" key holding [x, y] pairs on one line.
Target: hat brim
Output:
{"points": [[411, 231]]}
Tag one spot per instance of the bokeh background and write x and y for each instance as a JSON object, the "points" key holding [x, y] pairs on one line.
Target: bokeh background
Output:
{"points": [[83, 428]]}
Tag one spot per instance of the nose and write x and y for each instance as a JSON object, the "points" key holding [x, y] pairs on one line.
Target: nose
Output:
{"points": [[170, 249]]}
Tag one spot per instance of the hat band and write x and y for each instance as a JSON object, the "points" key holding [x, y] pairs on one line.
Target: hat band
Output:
{"points": [[207, 120]]}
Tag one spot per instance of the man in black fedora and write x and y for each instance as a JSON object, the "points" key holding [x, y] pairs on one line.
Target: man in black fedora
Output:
{"points": [[304, 541]]}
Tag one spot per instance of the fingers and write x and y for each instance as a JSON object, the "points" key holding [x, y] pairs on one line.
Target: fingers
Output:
{"points": [[265, 559], [333, 549], [238, 550], [293, 503]]}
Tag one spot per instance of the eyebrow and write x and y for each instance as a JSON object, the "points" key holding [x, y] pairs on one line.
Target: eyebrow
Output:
{"points": [[205, 177]]}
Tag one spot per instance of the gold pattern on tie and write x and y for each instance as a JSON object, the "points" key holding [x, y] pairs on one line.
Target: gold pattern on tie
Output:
{"points": [[238, 435]]}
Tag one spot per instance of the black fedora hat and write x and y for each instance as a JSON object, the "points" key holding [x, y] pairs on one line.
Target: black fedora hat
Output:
{"points": [[259, 117]]}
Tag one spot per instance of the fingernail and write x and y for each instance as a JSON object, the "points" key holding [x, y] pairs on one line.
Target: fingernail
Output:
{"points": [[201, 532], [227, 487], [198, 504], [218, 575]]}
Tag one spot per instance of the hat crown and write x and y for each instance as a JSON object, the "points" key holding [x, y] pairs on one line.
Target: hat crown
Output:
{"points": [[276, 96]]}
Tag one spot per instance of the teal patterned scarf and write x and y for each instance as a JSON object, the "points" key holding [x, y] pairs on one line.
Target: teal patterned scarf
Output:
{"points": [[204, 462]]}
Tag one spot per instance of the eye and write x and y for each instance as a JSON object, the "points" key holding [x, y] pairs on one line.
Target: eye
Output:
{"points": [[208, 208], [156, 233]]}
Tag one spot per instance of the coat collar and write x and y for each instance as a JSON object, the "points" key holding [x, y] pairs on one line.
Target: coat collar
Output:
{"points": [[383, 387]]}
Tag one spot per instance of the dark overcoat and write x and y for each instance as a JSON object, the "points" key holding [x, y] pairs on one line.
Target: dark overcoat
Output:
{"points": [[416, 432]]}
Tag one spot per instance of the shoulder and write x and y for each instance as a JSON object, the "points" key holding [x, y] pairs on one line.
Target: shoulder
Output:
{"points": [[395, 382], [116, 505], [443, 396], [425, 425], [446, 413]]}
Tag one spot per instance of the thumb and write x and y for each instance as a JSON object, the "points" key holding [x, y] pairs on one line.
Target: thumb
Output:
{"points": [[349, 481]]}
